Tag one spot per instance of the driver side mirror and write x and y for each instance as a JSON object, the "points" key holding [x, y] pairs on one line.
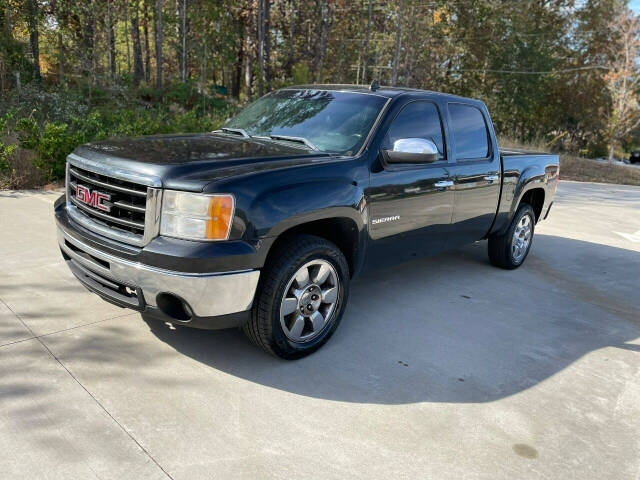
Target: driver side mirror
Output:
{"points": [[412, 150]]}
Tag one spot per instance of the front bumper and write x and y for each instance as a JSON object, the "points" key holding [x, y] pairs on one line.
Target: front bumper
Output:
{"points": [[210, 300]]}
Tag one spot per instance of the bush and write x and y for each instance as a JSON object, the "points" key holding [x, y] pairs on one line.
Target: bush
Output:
{"points": [[6, 152], [51, 125]]}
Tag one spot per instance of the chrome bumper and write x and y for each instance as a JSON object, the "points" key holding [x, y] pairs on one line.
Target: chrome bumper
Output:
{"points": [[208, 295]]}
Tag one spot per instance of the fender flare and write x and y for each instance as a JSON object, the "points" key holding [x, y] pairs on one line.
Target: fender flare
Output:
{"points": [[335, 199]]}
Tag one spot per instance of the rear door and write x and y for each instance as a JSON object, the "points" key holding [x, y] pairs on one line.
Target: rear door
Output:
{"points": [[476, 173], [410, 205]]}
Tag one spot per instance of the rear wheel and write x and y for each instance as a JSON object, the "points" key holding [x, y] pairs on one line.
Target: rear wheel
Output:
{"points": [[510, 250], [301, 298]]}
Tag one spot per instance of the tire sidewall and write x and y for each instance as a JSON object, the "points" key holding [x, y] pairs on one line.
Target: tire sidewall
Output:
{"points": [[282, 342], [522, 211]]}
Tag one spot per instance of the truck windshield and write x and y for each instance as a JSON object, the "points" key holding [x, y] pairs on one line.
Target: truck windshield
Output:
{"points": [[333, 122]]}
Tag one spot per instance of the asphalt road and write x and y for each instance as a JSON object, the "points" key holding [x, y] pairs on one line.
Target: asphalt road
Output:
{"points": [[443, 368]]}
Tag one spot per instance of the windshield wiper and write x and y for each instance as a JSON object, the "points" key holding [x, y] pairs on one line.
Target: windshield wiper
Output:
{"points": [[302, 140], [234, 131]]}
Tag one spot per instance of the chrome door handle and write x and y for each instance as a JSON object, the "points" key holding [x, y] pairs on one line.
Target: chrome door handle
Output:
{"points": [[492, 178], [444, 184]]}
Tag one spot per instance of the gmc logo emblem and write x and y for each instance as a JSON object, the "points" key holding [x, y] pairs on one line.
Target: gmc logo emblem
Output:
{"points": [[95, 198]]}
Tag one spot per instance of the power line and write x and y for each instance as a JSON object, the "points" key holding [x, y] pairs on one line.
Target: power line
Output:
{"points": [[525, 72]]}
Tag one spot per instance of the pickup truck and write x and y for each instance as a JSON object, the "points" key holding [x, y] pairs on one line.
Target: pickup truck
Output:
{"points": [[264, 223]]}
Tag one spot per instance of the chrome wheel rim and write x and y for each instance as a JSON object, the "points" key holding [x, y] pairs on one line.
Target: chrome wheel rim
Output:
{"points": [[310, 301], [521, 238]]}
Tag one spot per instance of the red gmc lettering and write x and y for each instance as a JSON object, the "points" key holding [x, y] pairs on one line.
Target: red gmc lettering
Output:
{"points": [[94, 198]]}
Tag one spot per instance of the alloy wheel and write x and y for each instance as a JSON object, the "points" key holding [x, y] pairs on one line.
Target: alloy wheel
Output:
{"points": [[310, 301], [521, 238]]}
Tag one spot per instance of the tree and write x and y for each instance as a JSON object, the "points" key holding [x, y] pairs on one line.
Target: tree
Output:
{"points": [[292, 34], [396, 52], [138, 68], [111, 41], [33, 14], [366, 44], [87, 44], [326, 20], [623, 79], [147, 48], [182, 36], [159, 45], [264, 44]]}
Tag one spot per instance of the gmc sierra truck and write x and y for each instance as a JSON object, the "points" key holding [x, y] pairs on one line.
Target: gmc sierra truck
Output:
{"points": [[263, 223]]}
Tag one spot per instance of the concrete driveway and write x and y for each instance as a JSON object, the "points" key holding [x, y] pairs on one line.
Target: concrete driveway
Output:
{"points": [[443, 368]]}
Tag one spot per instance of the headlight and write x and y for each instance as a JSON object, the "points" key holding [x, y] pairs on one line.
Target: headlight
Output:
{"points": [[196, 216]]}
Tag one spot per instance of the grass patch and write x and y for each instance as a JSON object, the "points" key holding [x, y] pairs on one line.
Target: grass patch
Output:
{"points": [[585, 170], [579, 169]]}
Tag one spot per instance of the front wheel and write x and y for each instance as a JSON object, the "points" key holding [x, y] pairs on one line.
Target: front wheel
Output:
{"points": [[510, 250], [301, 298]]}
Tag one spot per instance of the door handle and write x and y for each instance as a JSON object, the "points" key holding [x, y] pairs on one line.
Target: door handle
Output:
{"points": [[443, 184], [492, 178]]}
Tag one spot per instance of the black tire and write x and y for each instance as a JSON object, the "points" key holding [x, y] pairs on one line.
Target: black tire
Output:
{"points": [[500, 251], [264, 328]]}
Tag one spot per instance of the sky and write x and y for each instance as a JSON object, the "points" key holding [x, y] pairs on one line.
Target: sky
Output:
{"points": [[635, 5]]}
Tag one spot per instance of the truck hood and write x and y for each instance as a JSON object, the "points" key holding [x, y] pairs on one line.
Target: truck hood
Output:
{"points": [[189, 162]]}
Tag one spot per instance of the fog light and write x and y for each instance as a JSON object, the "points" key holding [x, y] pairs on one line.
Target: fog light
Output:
{"points": [[174, 307]]}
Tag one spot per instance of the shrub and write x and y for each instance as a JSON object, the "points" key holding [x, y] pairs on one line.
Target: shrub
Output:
{"points": [[6, 152], [51, 125], [55, 144]]}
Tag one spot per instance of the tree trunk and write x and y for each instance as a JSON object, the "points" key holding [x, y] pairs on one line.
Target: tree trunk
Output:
{"points": [[147, 48], [182, 36], [261, 28], [611, 152], [111, 41], [247, 66], [237, 71], [267, 43], [184, 41], [366, 45], [202, 87], [292, 30], [126, 35], [60, 60], [396, 53], [88, 33], [138, 68], [32, 22], [159, 45], [321, 43]]}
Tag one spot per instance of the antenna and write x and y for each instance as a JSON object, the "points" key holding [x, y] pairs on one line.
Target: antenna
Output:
{"points": [[374, 86]]}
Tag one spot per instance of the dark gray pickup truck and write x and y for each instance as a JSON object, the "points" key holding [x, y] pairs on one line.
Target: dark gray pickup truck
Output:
{"points": [[264, 223]]}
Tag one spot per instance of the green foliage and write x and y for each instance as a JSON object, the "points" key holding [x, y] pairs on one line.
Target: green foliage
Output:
{"points": [[6, 121], [539, 66], [300, 73], [6, 151], [28, 133], [56, 142], [54, 124]]}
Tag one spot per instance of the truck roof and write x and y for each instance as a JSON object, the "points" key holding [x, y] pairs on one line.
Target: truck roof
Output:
{"points": [[382, 90]]}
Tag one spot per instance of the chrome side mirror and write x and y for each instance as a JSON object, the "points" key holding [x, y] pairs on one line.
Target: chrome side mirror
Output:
{"points": [[412, 150]]}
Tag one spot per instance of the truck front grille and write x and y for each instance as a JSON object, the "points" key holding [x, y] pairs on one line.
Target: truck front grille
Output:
{"points": [[126, 204], [111, 202]]}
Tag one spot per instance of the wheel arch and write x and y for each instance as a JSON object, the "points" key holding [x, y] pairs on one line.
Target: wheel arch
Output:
{"points": [[342, 230], [535, 197]]}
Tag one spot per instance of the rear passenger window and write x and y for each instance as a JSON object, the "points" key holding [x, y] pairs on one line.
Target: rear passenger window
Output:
{"points": [[418, 120], [469, 132]]}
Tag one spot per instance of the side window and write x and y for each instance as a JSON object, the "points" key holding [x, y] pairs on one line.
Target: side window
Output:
{"points": [[418, 120], [469, 132]]}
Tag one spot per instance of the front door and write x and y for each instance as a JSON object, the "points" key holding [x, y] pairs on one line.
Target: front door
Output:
{"points": [[410, 205]]}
